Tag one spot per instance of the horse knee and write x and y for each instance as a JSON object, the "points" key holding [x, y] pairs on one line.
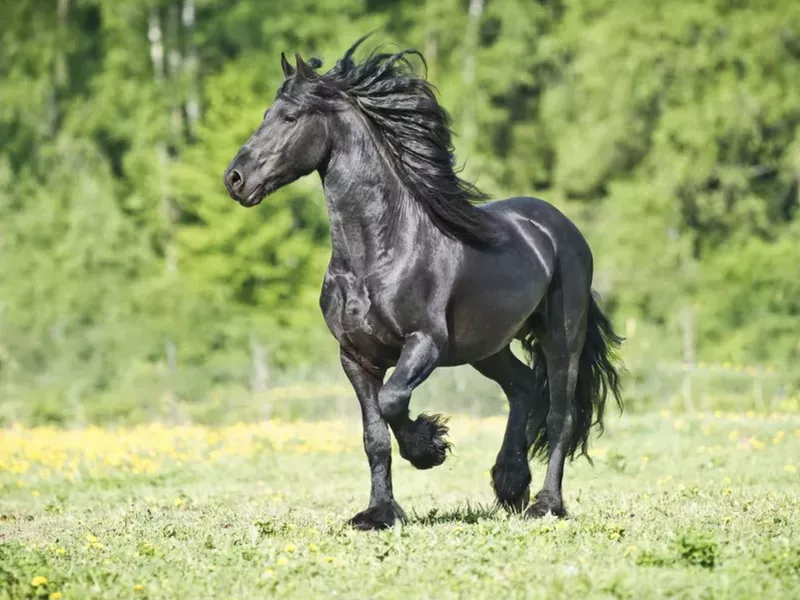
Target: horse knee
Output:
{"points": [[393, 402]]}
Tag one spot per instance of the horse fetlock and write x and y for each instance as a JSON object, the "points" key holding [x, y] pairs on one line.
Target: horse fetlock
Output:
{"points": [[546, 503]]}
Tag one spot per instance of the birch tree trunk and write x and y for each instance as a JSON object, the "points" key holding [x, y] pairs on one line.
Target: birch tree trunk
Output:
{"points": [[470, 125], [191, 66], [155, 33]]}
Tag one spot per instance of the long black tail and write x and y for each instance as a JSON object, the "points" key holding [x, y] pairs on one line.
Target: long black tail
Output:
{"points": [[597, 376]]}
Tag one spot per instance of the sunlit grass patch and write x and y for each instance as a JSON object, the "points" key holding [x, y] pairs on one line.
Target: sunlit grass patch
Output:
{"points": [[259, 510]]}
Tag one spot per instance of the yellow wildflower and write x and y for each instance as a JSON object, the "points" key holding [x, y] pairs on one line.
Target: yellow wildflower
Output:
{"points": [[282, 561], [38, 581], [138, 587], [313, 547], [56, 596], [789, 468], [289, 548]]}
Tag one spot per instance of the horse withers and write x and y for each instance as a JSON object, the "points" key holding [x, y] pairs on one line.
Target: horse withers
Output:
{"points": [[423, 275]]}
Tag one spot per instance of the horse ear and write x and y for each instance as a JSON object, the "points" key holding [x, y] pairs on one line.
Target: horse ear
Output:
{"points": [[303, 70], [288, 70]]}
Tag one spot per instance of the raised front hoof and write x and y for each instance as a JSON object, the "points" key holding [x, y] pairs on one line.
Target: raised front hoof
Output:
{"points": [[545, 504], [381, 516], [423, 444]]}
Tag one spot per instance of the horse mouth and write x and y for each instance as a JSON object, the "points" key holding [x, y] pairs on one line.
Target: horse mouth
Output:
{"points": [[256, 196]]}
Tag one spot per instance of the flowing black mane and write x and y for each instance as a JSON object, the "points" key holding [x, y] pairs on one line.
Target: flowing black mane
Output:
{"points": [[414, 129]]}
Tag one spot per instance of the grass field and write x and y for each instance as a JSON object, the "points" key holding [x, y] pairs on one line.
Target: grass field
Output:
{"points": [[700, 506]]}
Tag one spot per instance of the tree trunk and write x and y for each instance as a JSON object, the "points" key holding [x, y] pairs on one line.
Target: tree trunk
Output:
{"points": [[470, 125], [259, 377], [191, 67], [155, 34]]}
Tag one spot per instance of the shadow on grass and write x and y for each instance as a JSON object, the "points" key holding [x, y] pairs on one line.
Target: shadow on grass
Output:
{"points": [[467, 513]]}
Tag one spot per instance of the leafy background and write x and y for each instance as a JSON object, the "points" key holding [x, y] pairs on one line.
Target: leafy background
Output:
{"points": [[132, 287]]}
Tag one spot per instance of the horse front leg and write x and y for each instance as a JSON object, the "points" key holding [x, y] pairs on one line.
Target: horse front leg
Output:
{"points": [[422, 441], [382, 511]]}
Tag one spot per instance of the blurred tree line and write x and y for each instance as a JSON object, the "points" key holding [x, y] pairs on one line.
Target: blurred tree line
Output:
{"points": [[668, 130]]}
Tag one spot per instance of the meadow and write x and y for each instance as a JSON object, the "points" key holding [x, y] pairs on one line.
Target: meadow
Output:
{"points": [[692, 506]]}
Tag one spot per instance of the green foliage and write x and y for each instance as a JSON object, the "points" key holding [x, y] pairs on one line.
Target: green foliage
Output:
{"points": [[698, 549], [669, 131]]}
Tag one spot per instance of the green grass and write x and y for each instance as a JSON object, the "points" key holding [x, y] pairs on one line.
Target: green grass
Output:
{"points": [[689, 507]]}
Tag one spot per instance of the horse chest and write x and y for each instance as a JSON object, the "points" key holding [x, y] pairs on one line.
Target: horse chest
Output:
{"points": [[353, 319]]}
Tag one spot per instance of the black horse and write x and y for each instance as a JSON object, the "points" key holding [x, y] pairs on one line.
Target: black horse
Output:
{"points": [[421, 276]]}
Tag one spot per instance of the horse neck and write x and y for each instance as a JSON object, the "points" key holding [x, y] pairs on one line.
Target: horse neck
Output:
{"points": [[373, 218]]}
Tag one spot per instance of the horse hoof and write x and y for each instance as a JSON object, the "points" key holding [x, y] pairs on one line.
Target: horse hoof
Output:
{"points": [[511, 480], [381, 516], [424, 444], [546, 504], [518, 507]]}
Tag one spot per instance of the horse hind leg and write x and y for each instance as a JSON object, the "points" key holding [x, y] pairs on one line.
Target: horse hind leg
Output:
{"points": [[511, 476], [560, 425], [579, 346], [556, 358]]}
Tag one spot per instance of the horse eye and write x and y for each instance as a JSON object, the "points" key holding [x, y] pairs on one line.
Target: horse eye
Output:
{"points": [[289, 119]]}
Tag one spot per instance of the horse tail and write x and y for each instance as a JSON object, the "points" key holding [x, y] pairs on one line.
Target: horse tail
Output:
{"points": [[597, 377]]}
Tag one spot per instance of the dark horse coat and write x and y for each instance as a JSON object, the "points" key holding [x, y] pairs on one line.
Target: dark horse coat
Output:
{"points": [[421, 276]]}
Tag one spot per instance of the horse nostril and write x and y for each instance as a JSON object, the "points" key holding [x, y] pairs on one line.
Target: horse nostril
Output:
{"points": [[235, 180]]}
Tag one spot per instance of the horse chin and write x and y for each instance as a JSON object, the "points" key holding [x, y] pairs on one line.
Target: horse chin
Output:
{"points": [[258, 195], [250, 202]]}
